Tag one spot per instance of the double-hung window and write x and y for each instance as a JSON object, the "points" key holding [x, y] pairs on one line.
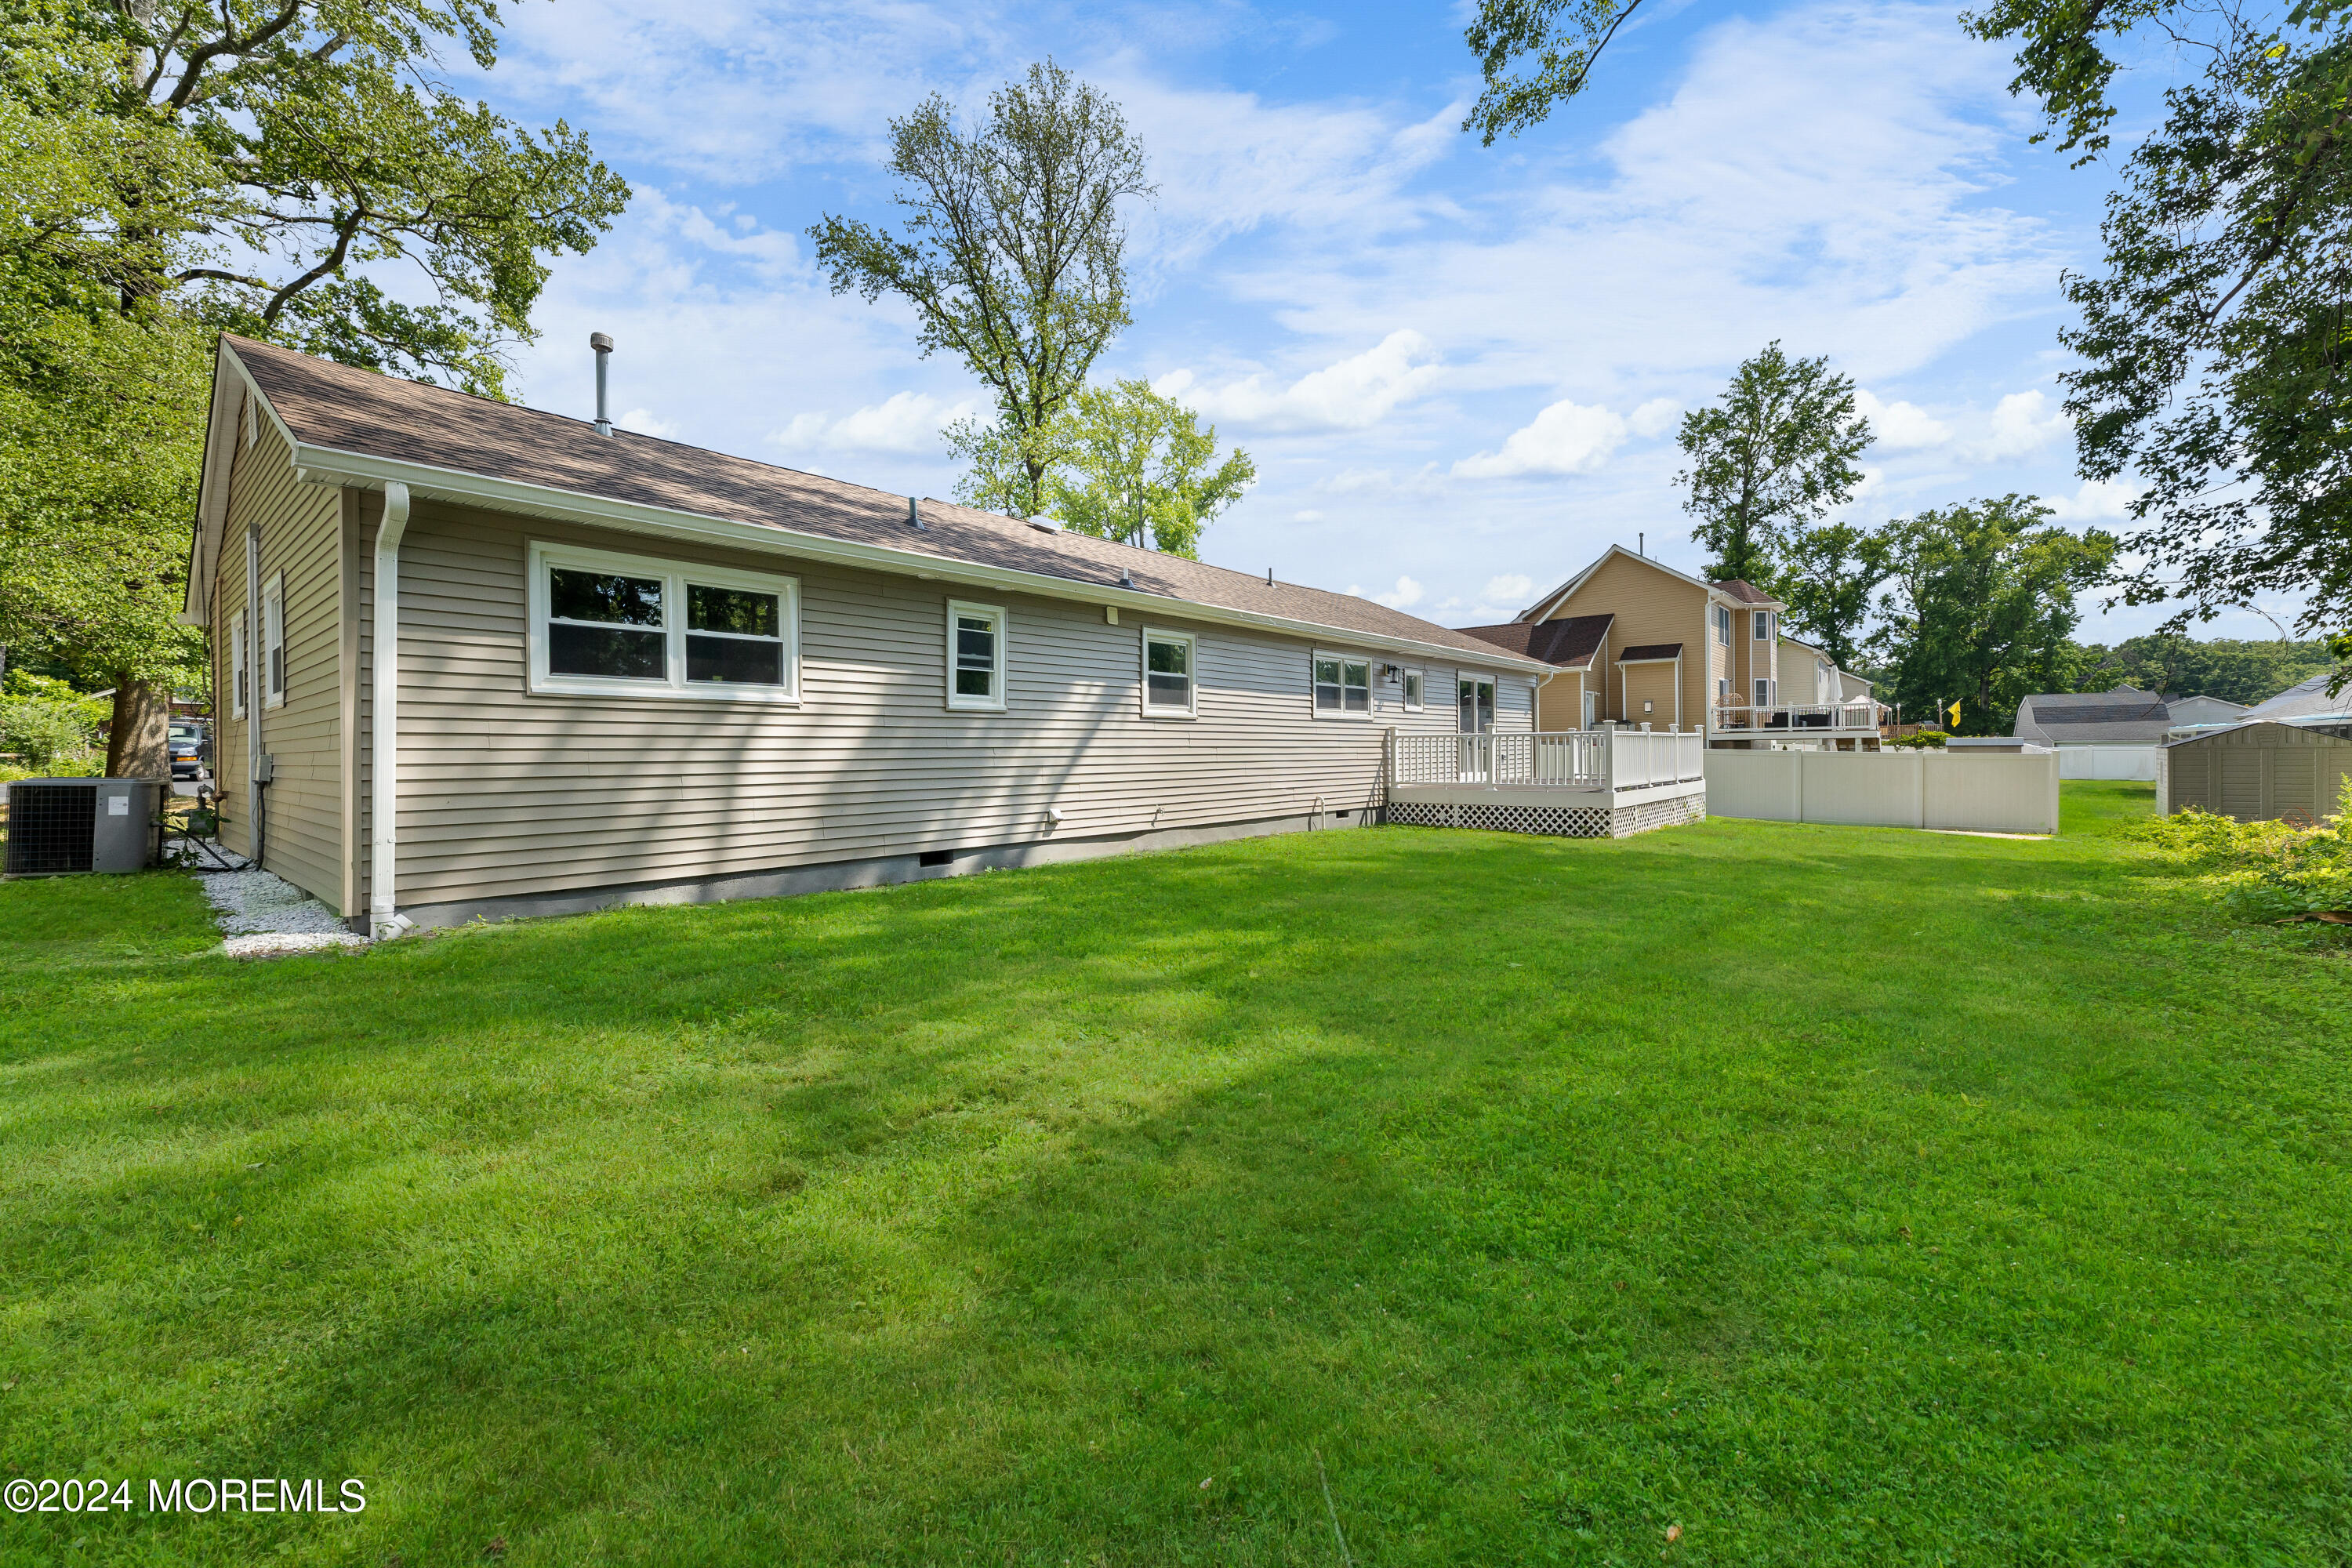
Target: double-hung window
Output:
{"points": [[1169, 682], [273, 641], [1763, 619], [1414, 688], [976, 657], [1343, 687], [1763, 694], [1723, 625], [608, 625]]}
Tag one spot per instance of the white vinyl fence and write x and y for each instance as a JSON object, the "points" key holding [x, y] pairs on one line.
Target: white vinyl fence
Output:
{"points": [[1979, 793], [2107, 763]]}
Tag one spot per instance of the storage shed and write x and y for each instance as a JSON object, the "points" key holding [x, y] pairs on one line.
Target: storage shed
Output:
{"points": [[2256, 772]]}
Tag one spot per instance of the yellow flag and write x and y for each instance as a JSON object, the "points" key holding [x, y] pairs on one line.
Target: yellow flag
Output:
{"points": [[1956, 715]]}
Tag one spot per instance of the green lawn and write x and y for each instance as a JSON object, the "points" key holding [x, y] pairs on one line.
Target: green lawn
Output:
{"points": [[1837, 1196]]}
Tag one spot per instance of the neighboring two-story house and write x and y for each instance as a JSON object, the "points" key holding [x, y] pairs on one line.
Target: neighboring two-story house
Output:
{"points": [[1634, 641]]}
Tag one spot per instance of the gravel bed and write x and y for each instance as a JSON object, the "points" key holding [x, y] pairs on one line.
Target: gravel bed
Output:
{"points": [[262, 915]]}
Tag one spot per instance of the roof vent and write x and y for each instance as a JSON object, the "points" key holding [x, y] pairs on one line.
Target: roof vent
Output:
{"points": [[914, 517], [1045, 523], [603, 347], [1126, 578]]}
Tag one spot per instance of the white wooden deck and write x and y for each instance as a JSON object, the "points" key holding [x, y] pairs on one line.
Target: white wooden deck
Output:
{"points": [[1580, 783]]}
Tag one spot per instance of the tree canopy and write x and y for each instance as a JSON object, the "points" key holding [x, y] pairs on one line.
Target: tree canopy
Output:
{"points": [[1826, 576], [1980, 607], [1013, 256], [169, 168], [1776, 453], [1141, 467]]}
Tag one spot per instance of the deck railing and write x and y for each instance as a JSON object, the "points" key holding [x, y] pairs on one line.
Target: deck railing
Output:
{"points": [[1575, 758], [1844, 718]]}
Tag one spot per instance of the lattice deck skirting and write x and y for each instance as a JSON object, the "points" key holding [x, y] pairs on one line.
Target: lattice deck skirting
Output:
{"points": [[1558, 821]]}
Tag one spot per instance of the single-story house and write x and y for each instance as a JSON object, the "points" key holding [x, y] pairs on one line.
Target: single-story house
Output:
{"points": [[2125, 716], [477, 659], [2186, 711], [2307, 700]]}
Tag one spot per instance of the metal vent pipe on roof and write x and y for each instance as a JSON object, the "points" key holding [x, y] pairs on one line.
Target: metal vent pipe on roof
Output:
{"points": [[603, 347]]}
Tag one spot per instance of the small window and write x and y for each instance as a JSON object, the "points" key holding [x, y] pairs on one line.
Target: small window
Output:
{"points": [[1343, 686], [273, 641], [1412, 690], [617, 624], [1723, 689], [1763, 619], [236, 663], [1723, 625], [1763, 694], [976, 657], [1168, 675]]}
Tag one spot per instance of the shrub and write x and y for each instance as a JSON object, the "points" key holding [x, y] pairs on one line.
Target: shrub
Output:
{"points": [[2263, 871], [1925, 741], [46, 734]]}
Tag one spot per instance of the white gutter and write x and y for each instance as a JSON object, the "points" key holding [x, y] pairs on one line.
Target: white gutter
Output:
{"points": [[383, 795], [255, 674], [319, 465]]}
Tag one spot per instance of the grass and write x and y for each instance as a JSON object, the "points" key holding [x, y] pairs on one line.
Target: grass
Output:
{"points": [[1835, 1195]]}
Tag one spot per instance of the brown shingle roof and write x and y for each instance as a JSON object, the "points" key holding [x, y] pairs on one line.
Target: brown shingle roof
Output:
{"points": [[1569, 643], [1744, 591], [1651, 651], [344, 409]]}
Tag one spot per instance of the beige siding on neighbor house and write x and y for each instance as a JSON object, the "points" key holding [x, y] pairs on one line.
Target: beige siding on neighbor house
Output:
{"points": [[1651, 606], [504, 793], [300, 539]]}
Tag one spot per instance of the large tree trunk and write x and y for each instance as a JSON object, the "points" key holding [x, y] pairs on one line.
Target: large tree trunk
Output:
{"points": [[139, 744]]}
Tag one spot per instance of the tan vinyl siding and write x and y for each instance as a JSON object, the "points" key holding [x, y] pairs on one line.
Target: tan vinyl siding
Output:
{"points": [[303, 736], [505, 793], [1652, 606]]}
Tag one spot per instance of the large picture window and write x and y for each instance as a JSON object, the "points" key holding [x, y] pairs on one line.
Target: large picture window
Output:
{"points": [[610, 624], [976, 657], [1169, 681], [1343, 687]]}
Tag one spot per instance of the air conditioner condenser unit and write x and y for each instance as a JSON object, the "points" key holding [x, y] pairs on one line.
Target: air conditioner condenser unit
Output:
{"points": [[60, 826]]}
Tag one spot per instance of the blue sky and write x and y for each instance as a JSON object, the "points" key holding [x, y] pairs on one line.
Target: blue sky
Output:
{"points": [[1459, 368]]}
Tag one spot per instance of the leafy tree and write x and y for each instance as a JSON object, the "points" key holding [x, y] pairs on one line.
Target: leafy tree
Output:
{"points": [[2212, 344], [1982, 607], [1136, 466], [1828, 575], [1560, 40], [2235, 671], [170, 168], [1777, 453], [1013, 256]]}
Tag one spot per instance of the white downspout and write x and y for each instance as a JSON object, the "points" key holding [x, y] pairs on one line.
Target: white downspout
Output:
{"points": [[383, 794], [256, 675]]}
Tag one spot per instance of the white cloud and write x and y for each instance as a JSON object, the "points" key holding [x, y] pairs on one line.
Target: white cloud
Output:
{"points": [[1308, 515], [2022, 424], [1515, 588], [1655, 418], [646, 423], [2098, 500], [1565, 438], [904, 422], [1403, 596], [1421, 482], [1355, 393], [1900, 426]]}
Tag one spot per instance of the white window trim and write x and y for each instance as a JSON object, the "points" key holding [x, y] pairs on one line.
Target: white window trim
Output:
{"points": [[1722, 625], [273, 643], [1413, 672], [1149, 634], [1762, 622], [1344, 659], [1764, 693], [239, 651], [1002, 624], [675, 575]]}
